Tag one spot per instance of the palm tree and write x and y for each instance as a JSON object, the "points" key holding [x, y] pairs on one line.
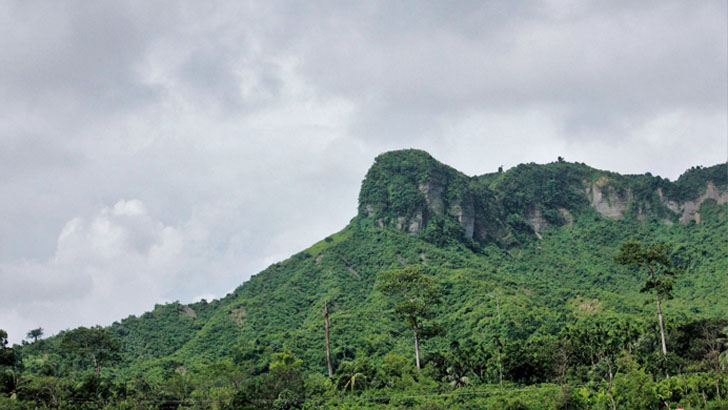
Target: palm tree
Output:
{"points": [[353, 375]]}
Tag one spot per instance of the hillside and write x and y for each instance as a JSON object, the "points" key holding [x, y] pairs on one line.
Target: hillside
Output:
{"points": [[519, 255]]}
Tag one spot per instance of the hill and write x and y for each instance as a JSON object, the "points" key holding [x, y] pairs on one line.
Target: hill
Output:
{"points": [[520, 257]]}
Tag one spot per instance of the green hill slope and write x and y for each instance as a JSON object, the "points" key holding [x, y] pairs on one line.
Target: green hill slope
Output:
{"points": [[519, 256]]}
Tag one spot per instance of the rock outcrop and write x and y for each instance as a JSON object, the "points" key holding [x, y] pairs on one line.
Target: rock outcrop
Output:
{"points": [[607, 201], [690, 210], [412, 192]]}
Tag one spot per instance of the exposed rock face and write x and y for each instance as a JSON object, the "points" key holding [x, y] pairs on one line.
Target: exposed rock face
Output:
{"points": [[536, 220], [567, 216], [369, 209], [415, 224], [602, 197], [671, 205], [411, 191], [433, 197], [407, 189], [238, 314], [400, 222], [188, 311], [466, 216], [689, 210], [612, 205]]}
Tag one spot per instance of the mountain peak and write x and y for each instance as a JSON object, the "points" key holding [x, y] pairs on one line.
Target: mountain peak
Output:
{"points": [[411, 191]]}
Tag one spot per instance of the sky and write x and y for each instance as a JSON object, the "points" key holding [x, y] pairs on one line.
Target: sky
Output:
{"points": [[168, 150]]}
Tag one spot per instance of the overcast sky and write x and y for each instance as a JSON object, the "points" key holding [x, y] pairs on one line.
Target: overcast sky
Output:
{"points": [[168, 150]]}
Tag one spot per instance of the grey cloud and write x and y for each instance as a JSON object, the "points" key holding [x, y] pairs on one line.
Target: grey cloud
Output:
{"points": [[75, 55], [245, 129], [26, 155], [599, 66], [42, 282]]}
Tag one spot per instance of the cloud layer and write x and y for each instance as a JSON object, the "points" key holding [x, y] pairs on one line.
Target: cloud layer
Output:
{"points": [[160, 151]]}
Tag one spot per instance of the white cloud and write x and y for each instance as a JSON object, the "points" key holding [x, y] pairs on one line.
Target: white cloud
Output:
{"points": [[107, 265]]}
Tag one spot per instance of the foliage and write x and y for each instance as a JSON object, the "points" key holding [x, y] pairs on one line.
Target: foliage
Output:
{"points": [[35, 334], [414, 291], [530, 323], [96, 343], [7, 355], [656, 259]]}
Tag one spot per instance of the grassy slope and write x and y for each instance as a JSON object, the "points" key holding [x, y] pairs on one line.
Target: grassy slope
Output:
{"points": [[541, 287], [541, 284]]}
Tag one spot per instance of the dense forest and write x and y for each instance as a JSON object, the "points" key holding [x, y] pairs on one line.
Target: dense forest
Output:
{"points": [[537, 287]]}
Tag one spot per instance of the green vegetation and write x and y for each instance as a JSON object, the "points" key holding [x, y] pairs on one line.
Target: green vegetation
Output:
{"points": [[656, 259], [7, 355], [35, 334], [416, 294], [95, 344], [528, 318]]}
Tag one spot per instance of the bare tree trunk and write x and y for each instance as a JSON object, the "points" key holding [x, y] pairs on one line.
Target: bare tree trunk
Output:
{"points": [[497, 306], [662, 327], [96, 365], [500, 363], [563, 366], [417, 348], [328, 349], [611, 382], [717, 386], [611, 399]]}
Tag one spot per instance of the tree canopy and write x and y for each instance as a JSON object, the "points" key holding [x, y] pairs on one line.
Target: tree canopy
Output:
{"points": [[95, 343], [415, 293]]}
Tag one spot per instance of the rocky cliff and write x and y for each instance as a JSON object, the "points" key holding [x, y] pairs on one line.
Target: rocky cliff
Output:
{"points": [[411, 191]]}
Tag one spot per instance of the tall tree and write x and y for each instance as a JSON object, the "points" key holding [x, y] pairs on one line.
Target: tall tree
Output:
{"points": [[655, 258], [498, 343], [96, 343], [415, 292], [328, 347], [35, 334]]}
